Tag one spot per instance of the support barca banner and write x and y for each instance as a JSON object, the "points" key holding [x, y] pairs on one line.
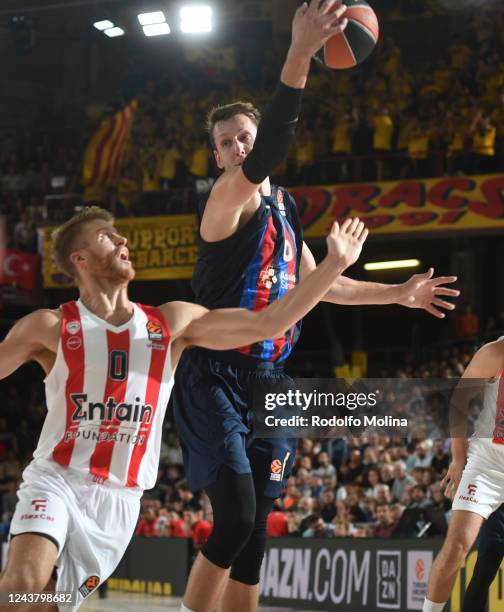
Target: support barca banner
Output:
{"points": [[427, 206], [160, 248]]}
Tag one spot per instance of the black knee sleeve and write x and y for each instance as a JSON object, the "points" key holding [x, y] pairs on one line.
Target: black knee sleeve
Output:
{"points": [[247, 565], [486, 568], [233, 503]]}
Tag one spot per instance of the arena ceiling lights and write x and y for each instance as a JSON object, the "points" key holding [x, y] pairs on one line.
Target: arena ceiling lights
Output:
{"points": [[109, 28], [105, 24], [196, 18], [154, 23], [392, 265]]}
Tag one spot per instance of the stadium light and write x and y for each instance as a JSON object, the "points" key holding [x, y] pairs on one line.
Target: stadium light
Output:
{"points": [[151, 18], [105, 24], [113, 32], [156, 29], [392, 265], [196, 18]]}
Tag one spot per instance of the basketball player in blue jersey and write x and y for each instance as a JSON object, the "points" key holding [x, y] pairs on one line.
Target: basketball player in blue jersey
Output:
{"points": [[251, 253]]}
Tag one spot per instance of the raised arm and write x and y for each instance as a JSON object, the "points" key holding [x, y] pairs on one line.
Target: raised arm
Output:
{"points": [[419, 291], [231, 328], [312, 26], [30, 336]]}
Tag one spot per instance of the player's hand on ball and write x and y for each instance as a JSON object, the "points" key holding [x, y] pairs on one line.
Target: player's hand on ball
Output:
{"points": [[345, 242], [452, 480], [423, 291], [314, 23]]}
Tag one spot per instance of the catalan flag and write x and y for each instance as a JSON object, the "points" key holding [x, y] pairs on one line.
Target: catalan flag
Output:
{"points": [[105, 151]]}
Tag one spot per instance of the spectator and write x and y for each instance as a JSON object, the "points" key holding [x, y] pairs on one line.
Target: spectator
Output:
{"points": [[440, 459], [328, 506], [324, 468], [419, 498], [317, 528], [401, 479], [385, 524], [147, 525]]}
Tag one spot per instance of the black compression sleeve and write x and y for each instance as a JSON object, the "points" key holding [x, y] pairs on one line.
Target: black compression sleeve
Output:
{"points": [[275, 133], [485, 570]]}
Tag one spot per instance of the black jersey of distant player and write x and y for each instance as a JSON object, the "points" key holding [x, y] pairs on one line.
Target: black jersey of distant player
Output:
{"points": [[254, 267]]}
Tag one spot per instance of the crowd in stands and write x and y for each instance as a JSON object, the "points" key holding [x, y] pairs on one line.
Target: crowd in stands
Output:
{"points": [[31, 168], [340, 487], [399, 115], [395, 117]]}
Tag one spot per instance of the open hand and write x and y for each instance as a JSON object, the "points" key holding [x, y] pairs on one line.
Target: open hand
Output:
{"points": [[346, 242], [315, 23], [423, 291]]}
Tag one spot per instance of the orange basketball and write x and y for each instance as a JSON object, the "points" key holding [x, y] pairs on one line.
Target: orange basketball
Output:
{"points": [[357, 42]]}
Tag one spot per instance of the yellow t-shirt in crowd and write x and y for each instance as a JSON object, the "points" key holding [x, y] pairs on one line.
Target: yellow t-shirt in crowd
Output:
{"points": [[383, 131], [458, 141], [484, 144], [150, 182], [169, 164], [418, 146], [342, 138], [199, 162]]}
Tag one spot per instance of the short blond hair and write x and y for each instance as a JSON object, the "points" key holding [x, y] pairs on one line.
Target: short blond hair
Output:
{"points": [[64, 237]]}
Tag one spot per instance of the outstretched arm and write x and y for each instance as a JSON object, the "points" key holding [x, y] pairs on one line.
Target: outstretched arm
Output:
{"points": [[231, 328], [419, 291], [31, 335]]}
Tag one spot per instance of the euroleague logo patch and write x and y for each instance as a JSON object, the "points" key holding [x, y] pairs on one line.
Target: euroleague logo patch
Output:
{"points": [[280, 202], [89, 585], [420, 569], [276, 470], [154, 330]]}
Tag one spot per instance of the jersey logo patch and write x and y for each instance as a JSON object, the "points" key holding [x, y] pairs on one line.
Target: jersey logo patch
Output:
{"points": [[280, 202], [73, 343], [288, 251], [73, 327], [268, 277], [154, 330], [276, 470], [89, 585]]}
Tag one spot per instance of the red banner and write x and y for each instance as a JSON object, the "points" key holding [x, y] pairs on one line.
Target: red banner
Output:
{"points": [[20, 269]]}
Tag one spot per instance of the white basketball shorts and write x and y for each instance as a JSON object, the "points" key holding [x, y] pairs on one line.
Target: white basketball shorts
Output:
{"points": [[91, 524], [481, 489]]}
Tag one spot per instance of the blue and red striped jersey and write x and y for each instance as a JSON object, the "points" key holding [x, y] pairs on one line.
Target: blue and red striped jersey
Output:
{"points": [[255, 266]]}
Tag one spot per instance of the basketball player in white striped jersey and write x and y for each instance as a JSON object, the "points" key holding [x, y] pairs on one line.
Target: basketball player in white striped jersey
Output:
{"points": [[109, 367]]}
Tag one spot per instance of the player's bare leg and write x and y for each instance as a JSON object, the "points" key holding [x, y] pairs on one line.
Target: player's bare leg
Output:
{"points": [[29, 568], [462, 532], [239, 596], [204, 585]]}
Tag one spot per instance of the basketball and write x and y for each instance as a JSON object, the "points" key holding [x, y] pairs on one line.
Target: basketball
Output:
{"points": [[356, 43]]}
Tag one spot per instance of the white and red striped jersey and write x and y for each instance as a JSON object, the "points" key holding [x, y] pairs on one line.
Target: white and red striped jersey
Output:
{"points": [[107, 395], [489, 424]]}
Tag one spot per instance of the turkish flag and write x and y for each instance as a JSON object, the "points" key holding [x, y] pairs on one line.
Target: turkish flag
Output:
{"points": [[20, 269]]}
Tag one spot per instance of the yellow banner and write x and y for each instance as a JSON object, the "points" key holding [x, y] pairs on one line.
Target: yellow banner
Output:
{"points": [[400, 207], [160, 248]]}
